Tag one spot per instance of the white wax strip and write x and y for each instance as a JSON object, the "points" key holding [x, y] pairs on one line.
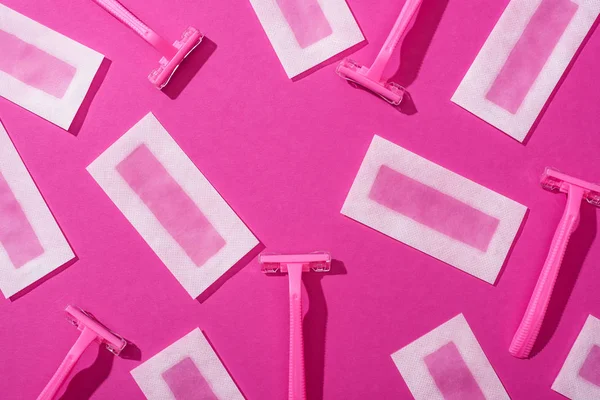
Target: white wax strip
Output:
{"points": [[579, 377], [31, 243], [433, 210], [189, 369], [448, 363], [172, 205], [523, 59], [304, 33], [43, 71]]}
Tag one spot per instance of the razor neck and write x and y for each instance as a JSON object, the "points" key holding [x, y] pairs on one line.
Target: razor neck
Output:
{"points": [[401, 27]]}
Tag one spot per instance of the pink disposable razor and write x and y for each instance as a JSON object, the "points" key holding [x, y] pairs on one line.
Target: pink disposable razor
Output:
{"points": [[371, 78], [173, 55], [294, 265], [91, 330], [576, 190]]}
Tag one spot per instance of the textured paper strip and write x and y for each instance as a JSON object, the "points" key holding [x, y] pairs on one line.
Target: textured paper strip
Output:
{"points": [[172, 205], [523, 59], [433, 210], [448, 364], [189, 369], [579, 377], [43, 71], [304, 33], [31, 243]]}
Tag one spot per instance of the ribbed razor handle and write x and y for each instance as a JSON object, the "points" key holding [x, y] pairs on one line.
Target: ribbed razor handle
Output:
{"points": [[528, 331], [297, 387]]}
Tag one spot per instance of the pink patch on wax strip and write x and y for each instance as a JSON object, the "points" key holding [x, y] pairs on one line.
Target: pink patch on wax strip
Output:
{"points": [[16, 233], [530, 54], [33, 66], [171, 205], [187, 383], [306, 19], [433, 209], [590, 370], [451, 375]]}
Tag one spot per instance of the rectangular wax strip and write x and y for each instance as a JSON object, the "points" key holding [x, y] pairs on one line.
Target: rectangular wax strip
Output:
{"points": [[451, 375], [433, 208], [43, 71], [16, 234], [306, 19], [590, 370], [169, 203], [187, 383], [531, 53], [31, 243], [172, 205], [304, 33], [579, 377], [448, 363], [33, 66], [188, 369], [523, 59]]}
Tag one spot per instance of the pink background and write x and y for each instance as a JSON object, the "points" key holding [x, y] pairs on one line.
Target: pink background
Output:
{"points": [[284, 155]]}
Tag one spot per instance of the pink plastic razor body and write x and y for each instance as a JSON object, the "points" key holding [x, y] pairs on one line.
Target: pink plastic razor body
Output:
{"points": [[294, 265], [91, 330], [371, 78], [173, 55], [576, 191]]}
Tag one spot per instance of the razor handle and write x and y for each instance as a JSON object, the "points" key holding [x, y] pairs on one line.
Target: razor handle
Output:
{"points": [[297, 386], [529, 328], [86, 337]]}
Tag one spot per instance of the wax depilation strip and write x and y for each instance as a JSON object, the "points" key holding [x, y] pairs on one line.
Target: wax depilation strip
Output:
{"points": [[188, 369], [173, 208], [451, 375], [187, 383], [522, 61], [34, 67], [590, 370], [172, 205], [448, 363], [433, 208], [306, 19], [16, 233], [531, 52]]}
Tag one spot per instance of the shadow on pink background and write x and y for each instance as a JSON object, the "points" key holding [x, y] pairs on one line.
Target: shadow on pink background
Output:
{"points": [[284, 154]]}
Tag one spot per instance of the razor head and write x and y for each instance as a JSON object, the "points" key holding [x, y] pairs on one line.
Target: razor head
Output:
{"points": [[278, 263], [558, 182], [190, 38], [358, 74], [104, 336]]}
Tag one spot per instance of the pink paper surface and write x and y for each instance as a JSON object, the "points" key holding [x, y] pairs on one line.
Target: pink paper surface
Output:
{"points": [[187, 383], [433, 208], [16, 233], [284, 155], [33, 66], [452, 375], [531, 52], [170, 204]]}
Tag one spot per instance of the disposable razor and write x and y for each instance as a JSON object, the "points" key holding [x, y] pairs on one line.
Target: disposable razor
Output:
{"points": [[294, 265], [371, 78], [91, 331], [576, 191], [172, 55]]}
